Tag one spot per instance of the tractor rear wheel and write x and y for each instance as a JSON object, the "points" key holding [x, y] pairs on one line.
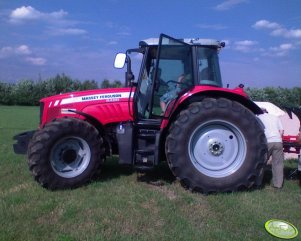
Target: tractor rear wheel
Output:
{"points": [[216, 145], [65, 153]]}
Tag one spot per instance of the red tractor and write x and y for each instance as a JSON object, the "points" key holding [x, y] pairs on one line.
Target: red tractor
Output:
{"points": [[176, 110]]}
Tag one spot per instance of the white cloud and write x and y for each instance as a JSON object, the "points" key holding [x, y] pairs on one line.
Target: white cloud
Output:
{"points": [[261, 24], [292, 33], [23, 50], [286, 46], [58, 25], [245, 45], [110, 24], [279, 51], [282, 47], [9, 51], [124, 33], [112, 43], [27, 13], [228, 4], [119, 29], [67, 31], [277, 29], [57, 15], [212, 26], [36, 61], [6, 52]]}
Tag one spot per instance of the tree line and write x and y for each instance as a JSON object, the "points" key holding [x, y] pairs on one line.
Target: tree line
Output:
{"points": [[282, 97], [29, 92]]}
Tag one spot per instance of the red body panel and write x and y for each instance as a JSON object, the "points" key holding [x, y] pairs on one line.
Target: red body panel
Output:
{"points": [[110, 105], [201, 89], [105, 105], [290, 144]]}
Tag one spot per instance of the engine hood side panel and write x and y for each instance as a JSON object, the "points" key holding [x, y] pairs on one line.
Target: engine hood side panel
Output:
{"points": [[110, 112], [105, 105]]}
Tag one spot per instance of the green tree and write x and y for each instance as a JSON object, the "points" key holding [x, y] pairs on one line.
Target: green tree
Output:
{"points": [[61, 84], [39, 91], [282, 97], [256, 94], [105, 84], [89, 85], [22, 92], [116, 84], [6, 96]]}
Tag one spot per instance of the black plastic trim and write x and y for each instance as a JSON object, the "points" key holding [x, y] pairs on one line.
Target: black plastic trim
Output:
{"points": [[22, 141]]}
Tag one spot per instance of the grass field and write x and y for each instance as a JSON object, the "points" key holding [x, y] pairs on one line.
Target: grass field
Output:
{"points": [[118, 206]]}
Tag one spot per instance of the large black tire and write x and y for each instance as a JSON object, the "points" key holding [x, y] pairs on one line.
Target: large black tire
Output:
{"points": [[66, 153], [216, 145]]}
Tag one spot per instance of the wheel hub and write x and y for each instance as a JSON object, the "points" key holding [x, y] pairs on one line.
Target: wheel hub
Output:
{"points": [[216, 148], [69, 156]]}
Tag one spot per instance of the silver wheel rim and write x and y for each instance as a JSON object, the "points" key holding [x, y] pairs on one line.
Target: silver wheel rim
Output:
{"points": [[70, 156], [217, 148]]}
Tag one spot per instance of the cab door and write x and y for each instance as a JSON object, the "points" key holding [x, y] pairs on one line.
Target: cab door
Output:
{"points": [[173, 74], [159, 83]]}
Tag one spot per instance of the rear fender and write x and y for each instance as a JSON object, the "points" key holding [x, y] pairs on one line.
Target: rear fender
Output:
{"points": [[189, 97]]}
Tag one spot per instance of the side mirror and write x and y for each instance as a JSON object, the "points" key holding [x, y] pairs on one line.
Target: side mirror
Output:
{"points": [[120, 60]]}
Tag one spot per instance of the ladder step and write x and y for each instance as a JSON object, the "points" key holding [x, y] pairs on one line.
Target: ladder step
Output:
{"points": [[145, 152], [144, 158], [139, 168], [147, 134]]}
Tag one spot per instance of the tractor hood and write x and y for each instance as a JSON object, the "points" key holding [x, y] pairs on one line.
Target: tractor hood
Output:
{"points": [[104, 105], [103, 95]]}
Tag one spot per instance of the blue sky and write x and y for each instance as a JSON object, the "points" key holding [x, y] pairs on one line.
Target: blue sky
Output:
{"points": [[81, 37]]}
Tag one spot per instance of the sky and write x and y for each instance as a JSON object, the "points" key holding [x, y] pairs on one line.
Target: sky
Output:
{"points": [[80, 38]]}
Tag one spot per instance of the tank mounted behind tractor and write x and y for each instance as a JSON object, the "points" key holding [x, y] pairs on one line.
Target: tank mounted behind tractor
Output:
{"points": [[176, 110]]}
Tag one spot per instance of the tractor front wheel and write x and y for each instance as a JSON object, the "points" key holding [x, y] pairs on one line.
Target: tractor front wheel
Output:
{"points": [[65, 153], [216, 145]]}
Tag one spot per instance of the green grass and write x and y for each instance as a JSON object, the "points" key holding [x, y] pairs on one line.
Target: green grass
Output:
{"points": [[119, 206]]}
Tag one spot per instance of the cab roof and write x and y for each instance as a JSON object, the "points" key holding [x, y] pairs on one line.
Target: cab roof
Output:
{"points": [[191, 41]]}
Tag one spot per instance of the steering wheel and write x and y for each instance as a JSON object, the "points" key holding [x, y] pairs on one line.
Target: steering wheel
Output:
{"points": [[177, 82]]}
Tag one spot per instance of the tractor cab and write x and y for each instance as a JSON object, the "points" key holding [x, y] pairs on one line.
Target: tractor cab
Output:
{"points": [[169, 69]]}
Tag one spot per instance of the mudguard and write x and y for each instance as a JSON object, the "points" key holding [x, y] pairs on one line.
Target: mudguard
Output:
{"points": [[199, 92], [20, 147]]}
